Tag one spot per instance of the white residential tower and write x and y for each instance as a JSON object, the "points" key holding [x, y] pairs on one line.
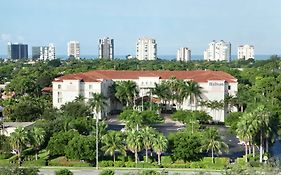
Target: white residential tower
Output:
{"points": [[146, 49], [218, 51], [246, 52], [184, 54], [73, 49]]}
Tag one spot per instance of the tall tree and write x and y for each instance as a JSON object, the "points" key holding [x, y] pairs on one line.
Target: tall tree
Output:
{"points": [[97, 104], [126, 92], [194, 92], [148, 136], [113, 142], [134, 143], [214, 143], [160, 143], [37, 139], [19, 139]]}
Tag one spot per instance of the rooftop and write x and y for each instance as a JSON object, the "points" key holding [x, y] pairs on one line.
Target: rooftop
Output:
{"points": [[195, 75]]}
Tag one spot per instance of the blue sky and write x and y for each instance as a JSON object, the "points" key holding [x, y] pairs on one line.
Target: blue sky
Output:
{"points": [[173, 23]]}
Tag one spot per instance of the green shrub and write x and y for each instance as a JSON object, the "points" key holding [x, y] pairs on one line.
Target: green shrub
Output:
{"points": [[4, 162], [35, 163], [254, 163], [107, 172], [62, 161], [149, 159], [240, 161], [149, 172], [122, 158], [145, 165], [64, 172], [5, 155], [130, 164], [197, 165], [130, 159], [8, 170], [119, 164], [106, 163], [185, 165], [166, 160]]}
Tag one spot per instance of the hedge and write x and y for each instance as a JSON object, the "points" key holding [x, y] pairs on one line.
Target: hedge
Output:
{"points": [[62, 161]]}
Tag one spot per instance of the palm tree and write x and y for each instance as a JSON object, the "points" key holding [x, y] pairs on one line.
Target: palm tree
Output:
{"points": [[97, 104], [215, 106], [37, 139], [126, 92], [162, 91], [159, 145], [148, 135], [264, 117], [134, 143], [79, 98], [244, 131], [113, 142], [213, 143], [19, 139], [194, 92]]}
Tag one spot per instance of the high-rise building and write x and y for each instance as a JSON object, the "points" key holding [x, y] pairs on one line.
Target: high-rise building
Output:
{"points": [[73, 49], [246, 52], [106, 48], [184, 54], [218, 51], [44, 52], [146, 49], [17, 51]]}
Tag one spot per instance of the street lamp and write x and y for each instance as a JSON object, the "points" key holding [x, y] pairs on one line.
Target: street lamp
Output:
{"points": [[97, 141]]}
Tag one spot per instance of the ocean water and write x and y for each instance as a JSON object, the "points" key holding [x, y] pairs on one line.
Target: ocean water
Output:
{"points": [[164, 57]]}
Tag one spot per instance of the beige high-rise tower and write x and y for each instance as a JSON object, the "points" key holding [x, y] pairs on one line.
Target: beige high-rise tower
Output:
{"points": [[146, 49], [73, 49]]}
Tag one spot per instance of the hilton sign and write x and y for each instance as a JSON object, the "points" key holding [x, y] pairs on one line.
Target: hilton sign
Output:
{"points": [[216, 84]]}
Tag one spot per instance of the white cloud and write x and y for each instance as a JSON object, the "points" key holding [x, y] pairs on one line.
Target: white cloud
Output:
{"points": [[4, 37]]}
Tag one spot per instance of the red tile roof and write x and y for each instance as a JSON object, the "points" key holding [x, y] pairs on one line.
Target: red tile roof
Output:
{"points": [[195, 75]]}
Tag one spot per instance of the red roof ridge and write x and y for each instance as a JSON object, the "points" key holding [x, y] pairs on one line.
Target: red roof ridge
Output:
{"points": [[195, 75]]}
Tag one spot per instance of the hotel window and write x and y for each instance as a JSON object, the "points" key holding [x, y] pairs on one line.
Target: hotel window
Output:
{"points": [[229, 87], [90, 86], [59, 97], [59, 86]]}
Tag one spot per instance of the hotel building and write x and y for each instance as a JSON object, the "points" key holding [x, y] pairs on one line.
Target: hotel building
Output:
{"points": [[215, 86]]}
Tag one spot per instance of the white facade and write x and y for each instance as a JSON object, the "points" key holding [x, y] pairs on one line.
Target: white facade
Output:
{"points": [[106, 48], [73, 49], [67, 88], [184, 54], [146, 49], [44, 52], [246, 52], [218, 51]]}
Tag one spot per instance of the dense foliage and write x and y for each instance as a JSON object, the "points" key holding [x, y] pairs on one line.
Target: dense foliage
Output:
{"points": [[70, 131]]}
